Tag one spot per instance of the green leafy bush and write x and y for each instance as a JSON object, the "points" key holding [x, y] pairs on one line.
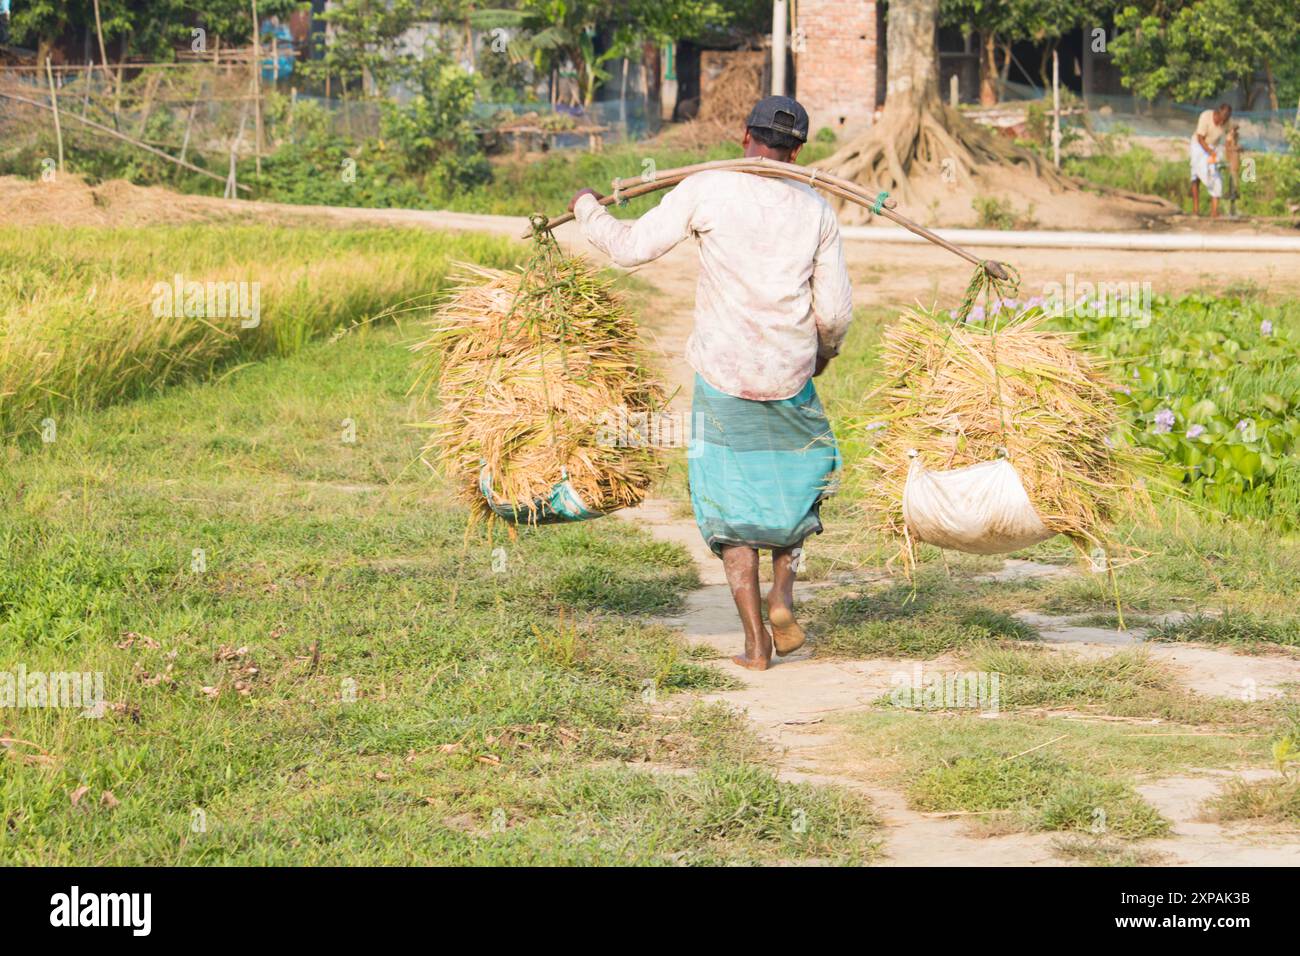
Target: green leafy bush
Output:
{"points": [[432, 132], [315, 165]]}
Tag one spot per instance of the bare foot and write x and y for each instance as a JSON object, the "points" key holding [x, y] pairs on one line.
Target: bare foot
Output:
{"points": [[752, 663], [758, 652], [787, 635]]}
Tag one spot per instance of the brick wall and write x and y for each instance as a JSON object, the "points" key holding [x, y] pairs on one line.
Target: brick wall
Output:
{"points": [[835, 62]]}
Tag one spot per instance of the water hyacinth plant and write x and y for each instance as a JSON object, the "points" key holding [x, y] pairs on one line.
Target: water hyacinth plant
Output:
{"points": [[1213, 385]]}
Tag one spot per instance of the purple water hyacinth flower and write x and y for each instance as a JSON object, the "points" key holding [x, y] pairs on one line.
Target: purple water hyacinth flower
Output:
{"points": [[996, 307], [1035, 301], [1010, 303], [1266, 327], [1164, 421], [1244, 424], [976, 314], [1125, 389], [875, 426], [952, 314], [1196, 431]]}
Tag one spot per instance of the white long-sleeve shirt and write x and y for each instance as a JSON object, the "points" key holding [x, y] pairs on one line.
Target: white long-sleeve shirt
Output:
{"points": [[773, 292]]}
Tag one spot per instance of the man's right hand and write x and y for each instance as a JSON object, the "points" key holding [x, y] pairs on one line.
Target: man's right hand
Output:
{"points": [[584, 192]]}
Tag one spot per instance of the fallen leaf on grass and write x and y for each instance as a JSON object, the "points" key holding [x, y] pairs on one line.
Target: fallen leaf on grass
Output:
{"points": [[153, 680], [130, 710], [76, 795], [131, 639], [108, 800]]}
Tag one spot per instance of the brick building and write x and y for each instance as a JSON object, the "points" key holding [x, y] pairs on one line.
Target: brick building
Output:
{"points": [[839, 65]]}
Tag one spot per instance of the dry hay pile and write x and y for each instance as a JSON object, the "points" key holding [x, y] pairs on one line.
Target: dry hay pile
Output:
{"points": [[535, 370], [732, 94], [723, 108], [68, 200], [1056, 421]]}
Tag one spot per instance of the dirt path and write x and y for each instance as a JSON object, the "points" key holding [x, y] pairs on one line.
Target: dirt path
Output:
{"points": [[794, 704]]}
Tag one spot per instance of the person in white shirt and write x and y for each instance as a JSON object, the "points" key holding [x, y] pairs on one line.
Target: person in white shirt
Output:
{"points": [[1204, 157], [772, 307]]}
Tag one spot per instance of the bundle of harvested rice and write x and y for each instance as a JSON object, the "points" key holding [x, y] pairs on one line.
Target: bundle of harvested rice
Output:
{"points": [[961, 396], [532, 367]]}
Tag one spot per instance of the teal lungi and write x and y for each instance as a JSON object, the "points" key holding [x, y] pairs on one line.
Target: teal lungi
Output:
{"points": [[759, 470]]}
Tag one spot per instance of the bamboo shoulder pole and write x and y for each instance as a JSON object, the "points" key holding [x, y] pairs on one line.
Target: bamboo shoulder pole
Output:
{"points": [[639, 185], [880, 204]]}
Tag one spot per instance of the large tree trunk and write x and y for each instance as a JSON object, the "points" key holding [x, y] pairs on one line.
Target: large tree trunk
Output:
{"points": [[988, 69], [912, 66], [917, 133]]}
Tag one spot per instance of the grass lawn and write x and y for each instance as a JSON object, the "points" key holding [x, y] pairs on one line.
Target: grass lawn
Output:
{"points": [[307, 661]]}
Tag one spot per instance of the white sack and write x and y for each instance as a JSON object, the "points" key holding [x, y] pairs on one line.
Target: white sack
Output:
{"points": [[980, 509]]}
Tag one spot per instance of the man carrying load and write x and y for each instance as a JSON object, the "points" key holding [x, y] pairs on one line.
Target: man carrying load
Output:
{"points": [[772, 306]]}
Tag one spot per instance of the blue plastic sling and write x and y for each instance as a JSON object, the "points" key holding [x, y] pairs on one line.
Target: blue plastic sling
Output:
{"points": [[562, 504]]}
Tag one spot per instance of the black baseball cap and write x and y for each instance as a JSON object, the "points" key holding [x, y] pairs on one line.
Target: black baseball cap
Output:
{"points": [[781, 114]]}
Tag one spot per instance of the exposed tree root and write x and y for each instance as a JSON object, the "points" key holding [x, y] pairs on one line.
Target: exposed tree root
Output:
{"points": [[932, 141]]}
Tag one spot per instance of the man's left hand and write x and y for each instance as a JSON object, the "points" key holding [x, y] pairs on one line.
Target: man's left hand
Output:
{"points": [[584, 192]]}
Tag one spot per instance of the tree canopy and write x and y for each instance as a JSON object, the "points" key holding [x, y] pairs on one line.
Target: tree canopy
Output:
{"points": [[151, 29], [1203, 49]]}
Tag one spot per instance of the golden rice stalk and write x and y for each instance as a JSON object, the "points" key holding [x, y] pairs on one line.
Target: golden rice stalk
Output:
{"points": [[960, 395], [531, 369]]}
